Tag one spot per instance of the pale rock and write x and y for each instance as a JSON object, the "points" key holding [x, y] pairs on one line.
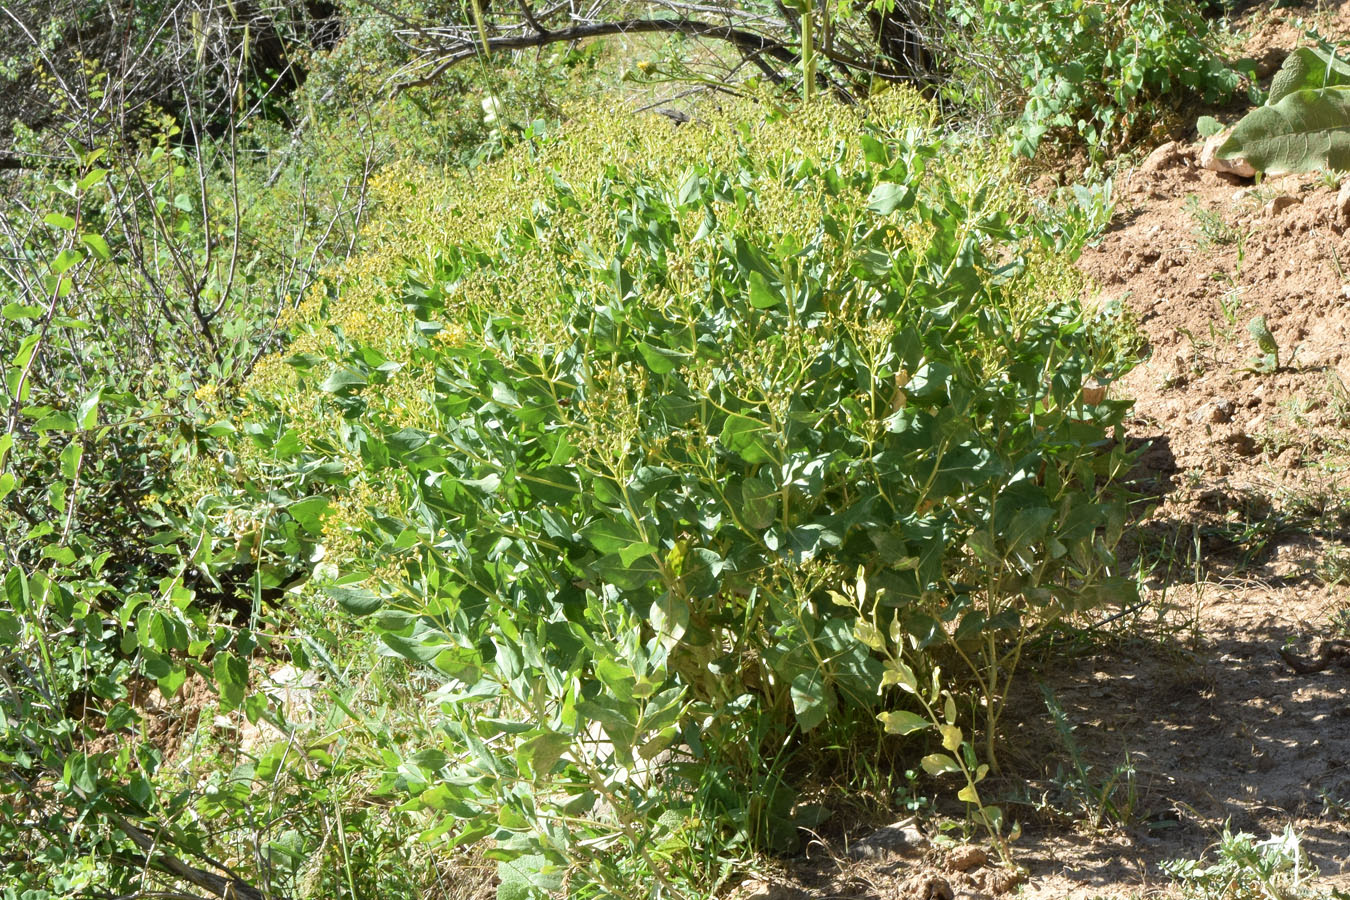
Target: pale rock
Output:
{"points": [[901, 838], [1343, 201], [1278, 205], [1163, 157], [755, 889], [1209, 158], [966, 857]]}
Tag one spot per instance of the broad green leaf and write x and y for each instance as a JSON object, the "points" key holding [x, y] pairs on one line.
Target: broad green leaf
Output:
{"points": [[343, 380], [16, 311], [93, 178], [1307, 68], [903, 722], [96, 243], [759, 503], [86, 414], [618, 536], [59, 220], [309, 513], [659, 359], [1027, 527], [70, 460], [887, 197], [747, 438], [231, 678], [810, 699], [761, 295], [356, 600], [1306, 131], [540, 753], [16, 589], [968, 794], [412, 649]]}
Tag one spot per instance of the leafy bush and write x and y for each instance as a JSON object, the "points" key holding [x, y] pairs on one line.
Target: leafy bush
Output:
{"points": [[618, 418], [1098, 71], [1246, 867]]}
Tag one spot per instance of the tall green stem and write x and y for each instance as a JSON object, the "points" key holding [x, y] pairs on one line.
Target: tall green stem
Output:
{"points": [[808, 52]]}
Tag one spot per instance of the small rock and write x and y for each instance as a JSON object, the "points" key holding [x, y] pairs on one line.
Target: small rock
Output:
{"points": [[926, 886], [901, 838], [1279, 205], [1239, 440], [754, 889], [966, 857], [1343, 201], [1221, 412], [1290, 459], [1163, 157], [1209, 158]]}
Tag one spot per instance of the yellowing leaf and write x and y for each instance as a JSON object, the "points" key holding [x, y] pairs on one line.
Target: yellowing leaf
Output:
{"points": [[939, 764], [898, 673], [869, 634], [902, 722], [968, 794], [951, 737]]}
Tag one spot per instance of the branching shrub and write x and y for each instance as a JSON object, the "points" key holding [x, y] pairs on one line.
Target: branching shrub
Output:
{"points": [[619, 418]]}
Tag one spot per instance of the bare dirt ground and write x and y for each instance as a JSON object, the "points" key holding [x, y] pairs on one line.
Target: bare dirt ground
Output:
{"points": [[1188, 718]]}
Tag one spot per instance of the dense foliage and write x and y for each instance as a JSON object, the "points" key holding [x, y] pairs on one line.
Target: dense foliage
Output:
{"points": [[460, 475], [608, 476]]}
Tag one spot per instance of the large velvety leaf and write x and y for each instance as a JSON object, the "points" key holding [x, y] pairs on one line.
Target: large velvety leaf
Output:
{"points": [[1306, 131], [1307, 68]]}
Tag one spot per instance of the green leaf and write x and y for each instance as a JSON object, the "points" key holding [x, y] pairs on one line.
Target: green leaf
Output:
{"points": [[903, 722], [231, 678], [747, 438], [1306, 131], [761, 295], [343, 380], [759, 503], [1208, 126], [1307, 68], [309, 513], [59, 220], [810, 699], [70, 460], [63, 262], [887, 197], [659, 359], [355, 600], [1027, 527], [96, 243], [408, 648], [16, 311], [541, 753], [618, 536]]}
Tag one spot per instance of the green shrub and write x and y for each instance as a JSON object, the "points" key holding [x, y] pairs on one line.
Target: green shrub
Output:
{"points": [[618, 419], [1098, 71]]}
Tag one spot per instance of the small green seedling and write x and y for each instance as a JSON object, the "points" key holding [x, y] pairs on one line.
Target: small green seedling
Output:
{"points": [[1269, 361]]}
